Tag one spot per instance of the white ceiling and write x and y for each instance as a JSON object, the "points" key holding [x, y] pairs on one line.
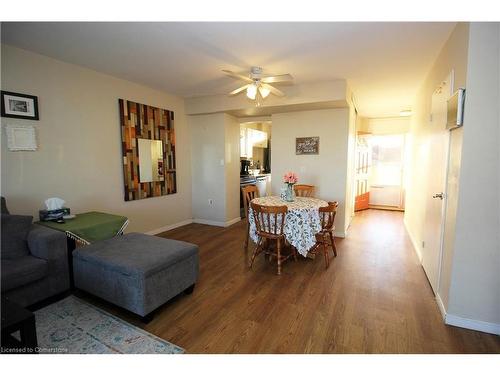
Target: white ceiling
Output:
{"points": [[384, 63]]}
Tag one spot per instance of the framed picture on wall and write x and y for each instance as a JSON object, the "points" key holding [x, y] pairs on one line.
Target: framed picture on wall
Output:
{"points": [[18, 105], [307, 146]]}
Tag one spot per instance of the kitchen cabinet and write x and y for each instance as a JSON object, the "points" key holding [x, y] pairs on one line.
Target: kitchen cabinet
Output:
{"points": [[250, 138], [264, 185], [246, 150], [258, 138]]}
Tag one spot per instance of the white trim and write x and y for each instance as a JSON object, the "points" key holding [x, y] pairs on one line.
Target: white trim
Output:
{"points": [[457, 321], [340, 234], [476, 325], [233, 221], [217, 223], [440, 304], [413, 242], [169, 227]]}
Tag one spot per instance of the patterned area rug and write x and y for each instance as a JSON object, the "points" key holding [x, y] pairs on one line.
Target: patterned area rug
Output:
{"points": [[74, 326]]}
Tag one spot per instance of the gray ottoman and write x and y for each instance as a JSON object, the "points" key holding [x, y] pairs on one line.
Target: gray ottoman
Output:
{"points": [[136, 271]]}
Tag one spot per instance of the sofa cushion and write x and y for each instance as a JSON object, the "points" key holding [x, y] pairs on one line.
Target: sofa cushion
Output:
{"points": [[15, 230], [136, 254], [21, 271]]}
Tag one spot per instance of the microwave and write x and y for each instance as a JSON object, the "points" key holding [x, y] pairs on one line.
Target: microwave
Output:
{"points": [[455, 109]]}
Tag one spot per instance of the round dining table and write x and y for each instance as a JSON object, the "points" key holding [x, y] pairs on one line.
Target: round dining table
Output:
{"points": [[302, 220]]}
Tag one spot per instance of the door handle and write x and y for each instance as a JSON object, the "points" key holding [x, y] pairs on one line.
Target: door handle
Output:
{"points": [[438, 195]]}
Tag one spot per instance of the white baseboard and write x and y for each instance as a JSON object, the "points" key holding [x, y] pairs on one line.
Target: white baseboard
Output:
{"points": [[457, 321], [340, 234], [441, 306], [233, 221], [476, 325], [169, 227], [413, 242], [217, 223]]}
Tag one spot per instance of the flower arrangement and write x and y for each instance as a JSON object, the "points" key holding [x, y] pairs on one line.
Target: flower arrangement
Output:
{"points": [[290, 178]]}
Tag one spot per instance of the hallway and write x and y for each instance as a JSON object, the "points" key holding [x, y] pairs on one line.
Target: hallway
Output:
{"points": [[374, 298]]}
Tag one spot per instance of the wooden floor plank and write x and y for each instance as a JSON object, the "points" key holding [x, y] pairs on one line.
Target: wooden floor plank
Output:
{"points": [[374, 298]]}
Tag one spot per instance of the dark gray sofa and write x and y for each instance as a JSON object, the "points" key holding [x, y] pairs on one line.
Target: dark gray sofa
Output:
{"points": [[34, 265]]}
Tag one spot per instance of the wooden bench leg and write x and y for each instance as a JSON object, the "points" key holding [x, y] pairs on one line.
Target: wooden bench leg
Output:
{"points": [[190, 289], [148, 318]]}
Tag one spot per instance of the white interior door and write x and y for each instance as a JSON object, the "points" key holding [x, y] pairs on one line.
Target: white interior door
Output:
{"points": [[438, 139]]}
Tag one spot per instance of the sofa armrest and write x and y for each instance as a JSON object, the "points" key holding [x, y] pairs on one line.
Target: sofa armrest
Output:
{"points": [[46, 243]]}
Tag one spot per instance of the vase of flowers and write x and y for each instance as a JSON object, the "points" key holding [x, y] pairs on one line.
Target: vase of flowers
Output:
{"points": [[290, 179]]}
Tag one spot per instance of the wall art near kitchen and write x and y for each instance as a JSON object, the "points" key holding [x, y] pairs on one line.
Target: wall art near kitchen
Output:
{"points": [[307, 146], [17, 105], [148, 150]]}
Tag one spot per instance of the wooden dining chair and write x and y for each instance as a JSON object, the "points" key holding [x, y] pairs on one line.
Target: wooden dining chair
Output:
{"points": [[270, 224], [304, 190], [325, 238], [249, 192]]}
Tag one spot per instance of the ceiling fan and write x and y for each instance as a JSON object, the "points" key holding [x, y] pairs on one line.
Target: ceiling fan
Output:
{"points": [[258, 84]]}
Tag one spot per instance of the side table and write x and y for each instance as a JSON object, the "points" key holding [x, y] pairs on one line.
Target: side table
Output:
{"points": [[87, 228], [17, 318]]}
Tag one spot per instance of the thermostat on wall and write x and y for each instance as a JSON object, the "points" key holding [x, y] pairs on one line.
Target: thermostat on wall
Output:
{"points": [[455, 109]]}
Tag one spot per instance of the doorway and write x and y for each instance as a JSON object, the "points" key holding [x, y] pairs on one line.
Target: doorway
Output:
{"points": [[387, 172], [381, 161]]}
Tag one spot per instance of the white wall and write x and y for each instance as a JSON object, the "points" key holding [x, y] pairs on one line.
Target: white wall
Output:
{"points": [[232, 164], [453, 56], [475, 281], [208, 170], [79, 156], [387, 125], [328, 170], [351, 172], [215, 168]]}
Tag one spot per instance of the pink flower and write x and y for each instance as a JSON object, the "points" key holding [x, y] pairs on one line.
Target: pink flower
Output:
{"points": [[290, 178]]}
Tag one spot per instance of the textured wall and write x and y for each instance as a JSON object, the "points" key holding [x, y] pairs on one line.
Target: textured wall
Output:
{"points": [[79, 156]]}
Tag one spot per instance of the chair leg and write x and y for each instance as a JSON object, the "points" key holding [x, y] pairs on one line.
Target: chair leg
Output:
{"points": [[325, 253], [278, 250], [333, 244], [248, 235], [255, 252]]}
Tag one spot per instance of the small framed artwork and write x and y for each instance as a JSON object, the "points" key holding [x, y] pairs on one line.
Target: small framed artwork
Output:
{"points": [[307, 146], [21, 138], [17, 105]]}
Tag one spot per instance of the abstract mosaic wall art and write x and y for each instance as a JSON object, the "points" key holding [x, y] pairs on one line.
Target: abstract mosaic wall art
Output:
{"points": [[141, 121]]}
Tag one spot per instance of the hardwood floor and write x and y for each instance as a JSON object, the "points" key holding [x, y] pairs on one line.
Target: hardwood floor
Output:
{"points": [[374, 298]]}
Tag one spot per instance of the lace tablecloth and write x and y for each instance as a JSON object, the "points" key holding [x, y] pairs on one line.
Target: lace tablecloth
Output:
{"points": [[301, 224]]}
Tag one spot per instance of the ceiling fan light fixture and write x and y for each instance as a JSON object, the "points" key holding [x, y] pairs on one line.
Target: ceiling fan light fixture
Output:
{"points": [[252, 92], [264, 92]]}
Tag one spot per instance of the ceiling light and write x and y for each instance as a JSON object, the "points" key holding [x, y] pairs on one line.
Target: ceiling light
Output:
{"points": [[405, 113], [264, 92], [252, 92]]}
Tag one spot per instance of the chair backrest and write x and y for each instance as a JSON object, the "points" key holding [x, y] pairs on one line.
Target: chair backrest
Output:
{"points": [[304, 190], [249, 192], [269, 220], [327, 215]]}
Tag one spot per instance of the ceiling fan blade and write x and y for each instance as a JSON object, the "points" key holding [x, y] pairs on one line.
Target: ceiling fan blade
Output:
{"points": [[238, 90], [277, 78], [239, 76], [273, 90]]}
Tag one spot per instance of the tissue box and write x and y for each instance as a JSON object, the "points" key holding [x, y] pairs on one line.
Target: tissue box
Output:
{"points": [[47, 215]]}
